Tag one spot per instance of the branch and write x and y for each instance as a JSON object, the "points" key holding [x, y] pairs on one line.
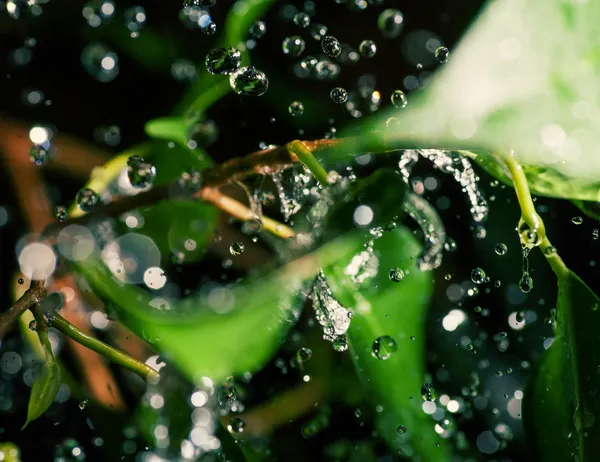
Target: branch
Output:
{"points": [[32, 296]]}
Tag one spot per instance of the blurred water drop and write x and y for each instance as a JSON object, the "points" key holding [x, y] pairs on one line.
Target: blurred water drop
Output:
{"points": [[401, 429], [69, 450], [302, 20], [428, 392], [100, 62], [135, 18], [60, 213], [293, 46], [249, 81], [39, 154], [390, 23], [303, 354], [257, 29], [140, 173], [236, 425], [252, 227], [296, 109], [83, 404], [318, 31]]}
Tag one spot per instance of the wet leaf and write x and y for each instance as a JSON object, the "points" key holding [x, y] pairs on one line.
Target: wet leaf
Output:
{"points": [[561, 402], [383, 307], [238, 331], [44, 389], [524, 78]]}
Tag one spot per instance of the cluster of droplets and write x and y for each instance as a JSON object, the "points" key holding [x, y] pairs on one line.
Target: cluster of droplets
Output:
{"points": [[333, 317], [293, 189], [247, 81]]}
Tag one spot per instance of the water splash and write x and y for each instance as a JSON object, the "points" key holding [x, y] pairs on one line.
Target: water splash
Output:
{"points": [[292, 188], [365, 264], [333, 317], [430, 223]]}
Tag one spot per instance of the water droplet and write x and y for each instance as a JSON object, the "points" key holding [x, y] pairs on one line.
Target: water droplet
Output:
{"points": [[296, 109], [249, 81], [210, 28], [21, 281], [595, 234], [227, 395], [135, 18], [477, 309], [526, 283], [442, 54], [141, 174], [33, 326], [478, 276], [203, 134], [39, 154], [428, 393], [318, 31], [236, 425], [87, 199], [501, 249], [396, 274], [223, 61], [384, 347], [83, 404], [357, 413], [582, 418], [550, 250], [70, 450], [398, 99], [450, 245], [302, 20], [367, 48], [340, 343], [293, 46], [257, 29], [237, 248], [99, 62], [338, 95], [390, 23], [330, 46], [304, 354], [60, 213], [577, 220], [252, 227], [401, 429]]}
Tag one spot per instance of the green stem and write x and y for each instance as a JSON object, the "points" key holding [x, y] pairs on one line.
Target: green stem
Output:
{"points": [[298, 148], [533, 220], [68, 329]]}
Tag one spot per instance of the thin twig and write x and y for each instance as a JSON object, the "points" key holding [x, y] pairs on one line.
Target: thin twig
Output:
{"points": [[32, 296]]}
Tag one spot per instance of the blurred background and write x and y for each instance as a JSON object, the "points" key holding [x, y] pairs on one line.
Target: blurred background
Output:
{"points": [[482, 340]]}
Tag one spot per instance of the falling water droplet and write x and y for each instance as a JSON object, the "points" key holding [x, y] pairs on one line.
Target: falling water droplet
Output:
{"points": [[33, 326], [384, 347], [577, 220], [390, 23], [442, 54], [367, 48], [428, 393], [296, 109], [339, 95], [526, 283], [237, 248], [293, 46], [236, 425], [478, 276], [39, 154], [399, 99], [396, 274], [141, 174], [501, 249], [83, 404], [87, 199], [257, 29], [60, 213], [302, 20], [249, 81], [223, 60], [330, 46], [401, 430]]}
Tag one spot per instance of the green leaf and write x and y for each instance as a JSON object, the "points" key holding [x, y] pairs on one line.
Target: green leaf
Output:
{"points": [[561, 402], [524, 78], [44, 389], [236, 331], [398, 310], [169, 128]]}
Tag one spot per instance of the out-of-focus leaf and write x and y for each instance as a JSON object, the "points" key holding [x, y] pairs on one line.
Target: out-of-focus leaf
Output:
{"points": [[524, 78], [172, 223], [218, 336], [9, 452], [240, 18], [169, 128], [396, 309], [561, 402], [44, 388]]}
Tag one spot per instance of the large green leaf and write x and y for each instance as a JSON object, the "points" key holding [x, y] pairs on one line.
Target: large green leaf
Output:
{"points": [[524, 78], [383, 307], [562, 403], [226, 334]]}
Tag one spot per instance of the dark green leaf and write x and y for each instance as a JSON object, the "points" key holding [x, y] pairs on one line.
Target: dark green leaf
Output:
{"points": [[562, 403], [396, 309], [44, 389], [524, 78]]}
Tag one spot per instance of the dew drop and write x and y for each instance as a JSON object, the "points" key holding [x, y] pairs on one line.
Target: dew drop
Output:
{"points": [[339, 95], [293, 46], [384, 347], [296, 109], [237, 248], [501, 249], [367, 48], [398, 99], [60, 213], [478, 276], [330, 46], [442, 54], [223, 61], [526, 283], [577, 220], [401, 430], [396, 274], [141, 174], [550, 251], [21, 281], [249, 81], [340, 343], [87, 199]]}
